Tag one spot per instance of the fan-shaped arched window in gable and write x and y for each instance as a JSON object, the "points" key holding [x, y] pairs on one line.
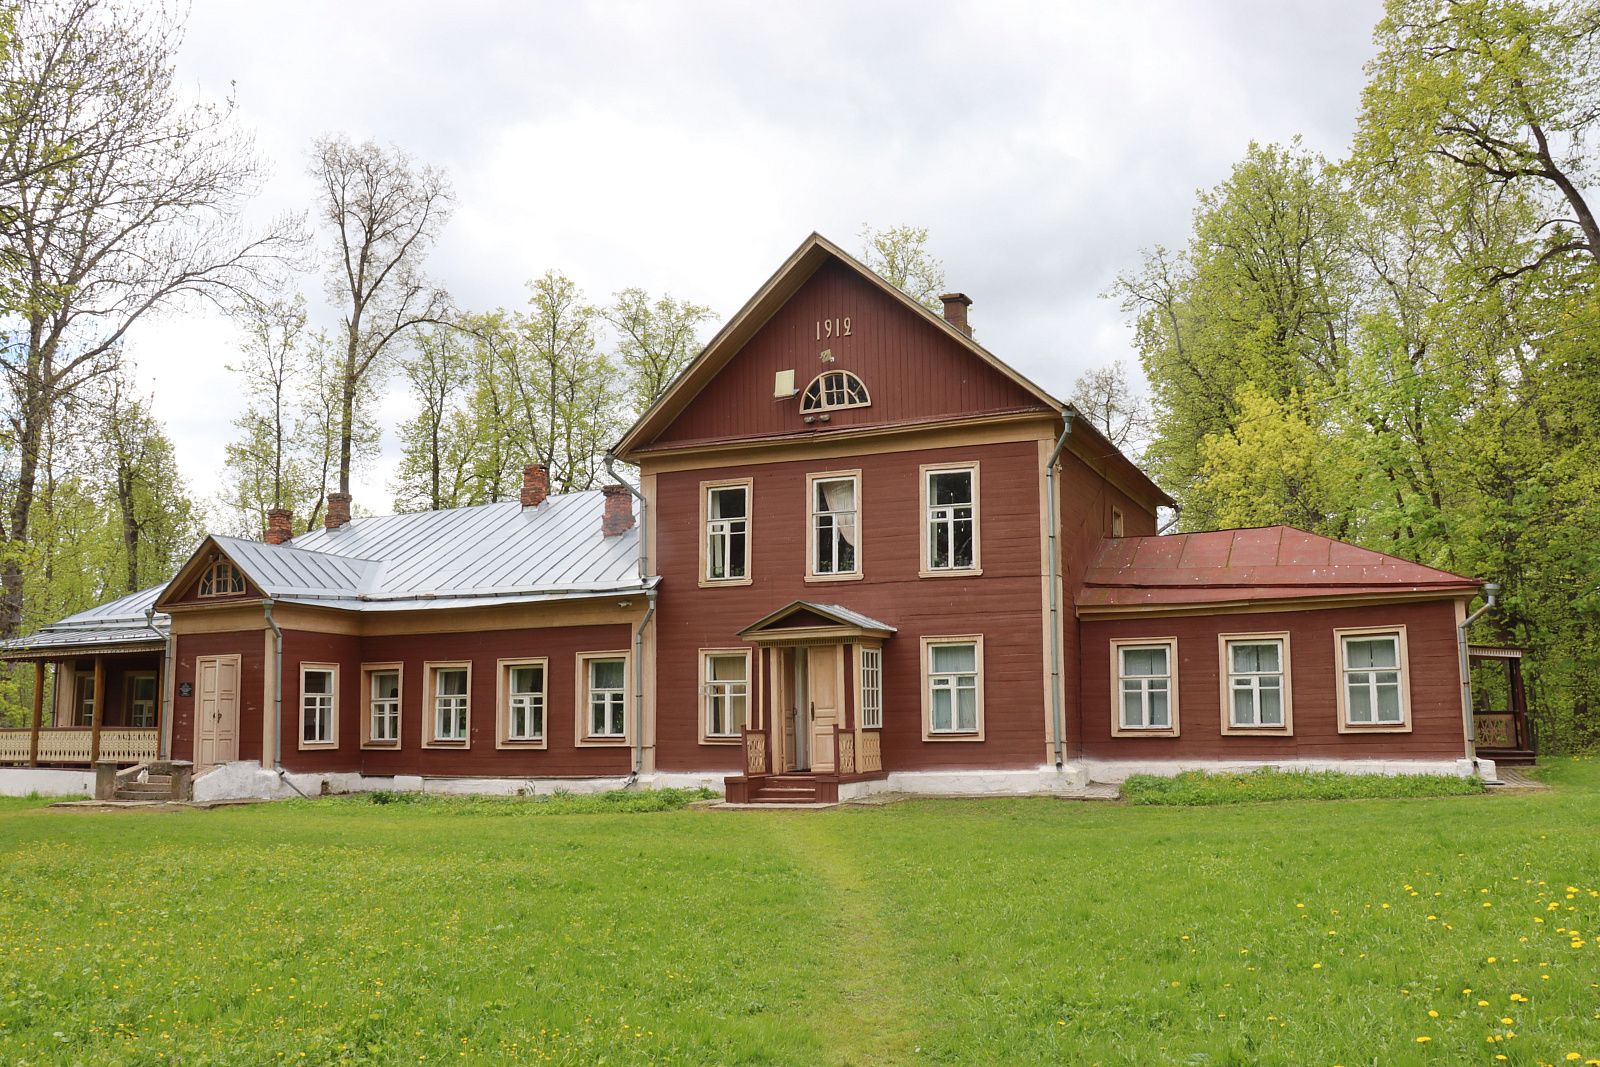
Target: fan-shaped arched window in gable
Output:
{"points": [[834, 389], [221, 578]]}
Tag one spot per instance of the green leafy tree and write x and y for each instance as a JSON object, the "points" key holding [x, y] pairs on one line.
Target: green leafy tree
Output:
{"points": [[900, 255]]}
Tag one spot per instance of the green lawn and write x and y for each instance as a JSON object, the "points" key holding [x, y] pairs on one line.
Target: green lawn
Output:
{"points": [[995, 931]]}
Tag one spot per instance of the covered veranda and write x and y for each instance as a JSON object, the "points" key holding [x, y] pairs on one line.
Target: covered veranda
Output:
{"points": [[93, 685]]}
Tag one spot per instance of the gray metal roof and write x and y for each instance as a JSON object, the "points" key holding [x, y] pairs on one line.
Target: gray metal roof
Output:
{"points": [[866, 622], [124, 623], [485, 555], [490, 551]]}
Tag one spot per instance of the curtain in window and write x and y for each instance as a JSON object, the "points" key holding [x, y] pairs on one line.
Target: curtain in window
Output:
{"points": [[840, 496]]}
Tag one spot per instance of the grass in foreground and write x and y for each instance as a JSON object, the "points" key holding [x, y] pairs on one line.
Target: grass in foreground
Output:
{"points": [[1423, 931], [1196, 788]]}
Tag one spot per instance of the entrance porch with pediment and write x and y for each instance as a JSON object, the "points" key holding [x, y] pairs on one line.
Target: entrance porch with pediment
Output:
{"points": [[819, 718]]}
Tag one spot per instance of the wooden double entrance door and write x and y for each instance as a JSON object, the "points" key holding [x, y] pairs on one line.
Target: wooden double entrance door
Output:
{"points": [[808, 694], [216, 710]]}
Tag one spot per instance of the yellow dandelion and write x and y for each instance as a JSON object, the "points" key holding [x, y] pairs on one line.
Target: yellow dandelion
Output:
{"points": [[1423, 1039]]}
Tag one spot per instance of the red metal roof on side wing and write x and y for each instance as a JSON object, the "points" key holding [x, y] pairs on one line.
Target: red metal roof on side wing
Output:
{"points": [[1265, 563]]}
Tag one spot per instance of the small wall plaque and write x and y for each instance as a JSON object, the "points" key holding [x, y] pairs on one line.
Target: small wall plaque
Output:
{"points": [[186, 689]]}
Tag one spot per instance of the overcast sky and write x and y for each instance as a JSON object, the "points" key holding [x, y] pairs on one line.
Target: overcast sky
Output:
{"points": [[689, 147]]}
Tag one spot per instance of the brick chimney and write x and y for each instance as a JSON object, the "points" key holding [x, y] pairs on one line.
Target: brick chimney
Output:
{"points": [[618, 518], [535, 484], [280, 526], [338, 511], [955, 310]]}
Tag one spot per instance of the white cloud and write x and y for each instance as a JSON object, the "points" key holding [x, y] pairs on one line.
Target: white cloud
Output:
{"points": [[689, 146]]}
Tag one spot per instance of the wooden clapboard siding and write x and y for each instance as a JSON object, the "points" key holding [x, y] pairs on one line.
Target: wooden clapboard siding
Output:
{"points": [[483, 649], [912, 370], [1002, 603], [248, 645], [1435, 683]]}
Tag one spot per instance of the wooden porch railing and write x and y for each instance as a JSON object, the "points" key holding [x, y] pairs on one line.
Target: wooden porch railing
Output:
{"points": [[845, 750], [75, 744], [755, 752], [1495, 730], [870, 759]]}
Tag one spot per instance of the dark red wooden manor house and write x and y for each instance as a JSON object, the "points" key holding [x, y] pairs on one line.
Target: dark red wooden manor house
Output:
{"points": [[860, 553]]}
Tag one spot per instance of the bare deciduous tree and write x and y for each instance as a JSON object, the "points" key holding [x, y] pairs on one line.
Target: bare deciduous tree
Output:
{"points": [[118, 198], [900, 255], [1107, 399], [383, 214]]}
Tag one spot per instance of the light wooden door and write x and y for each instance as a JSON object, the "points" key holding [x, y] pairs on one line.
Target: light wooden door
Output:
{"points": [[216, 733], [826, 703]]}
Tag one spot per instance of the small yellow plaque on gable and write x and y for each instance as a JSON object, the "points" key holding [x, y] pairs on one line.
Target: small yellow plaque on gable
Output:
{"points": [[783, 384]]}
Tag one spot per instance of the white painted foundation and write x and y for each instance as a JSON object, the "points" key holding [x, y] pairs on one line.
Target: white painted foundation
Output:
{"points": [[46, 782], [248, 780]]}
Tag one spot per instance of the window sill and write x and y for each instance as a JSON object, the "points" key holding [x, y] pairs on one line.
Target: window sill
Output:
{"points": [[390, 745], [315, 746], [716, 583], [523, 743], [724, 741], [951, 572], [603, 742], [950, 735], [1375, 728], [856, 577], [1257, 731], [1135, 731], [447, 744]]}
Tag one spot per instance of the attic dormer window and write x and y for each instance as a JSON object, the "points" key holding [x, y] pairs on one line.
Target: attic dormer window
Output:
{"points": [[221, 578], [834, 389]]}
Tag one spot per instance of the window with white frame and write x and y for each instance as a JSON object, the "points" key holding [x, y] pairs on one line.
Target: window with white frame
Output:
{"points": [[871, 688], [318, 693], [727, 532], [1257, 690], [834, 389], [383, 706], [83, 705], [142, 700], [451, 704], [953, 687], [725, 693], [1372, 670], [1144, 686], [221, 578], [835, 533], [607, 692], [525, 701], [951, 497]]}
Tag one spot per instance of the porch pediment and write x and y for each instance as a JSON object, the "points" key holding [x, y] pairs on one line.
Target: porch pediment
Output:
{"points": [[804, 621]]}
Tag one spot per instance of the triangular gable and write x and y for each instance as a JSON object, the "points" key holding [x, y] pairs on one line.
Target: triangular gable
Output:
{"points": [[184, 587], [817, 621], [909, 356]]}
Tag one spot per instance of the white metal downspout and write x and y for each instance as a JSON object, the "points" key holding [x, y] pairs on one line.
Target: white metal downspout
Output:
{"points": [[1056, 723], [1490, 591], [164, 739]]}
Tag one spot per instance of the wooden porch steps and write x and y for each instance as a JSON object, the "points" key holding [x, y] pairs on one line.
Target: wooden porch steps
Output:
{"points": [[1509, 757], [786, 789]]}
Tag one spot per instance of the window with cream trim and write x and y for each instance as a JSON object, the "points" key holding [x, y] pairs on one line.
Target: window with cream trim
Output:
{"points": [[835, 529], [727, 532], [1257, 682], [725, 693], [383, 706], [525, 701], [607, 696], [954, 670], [950, 519], [221, 578], [450, 703], [319, 694], [1145, 692], [1372, 689]]}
